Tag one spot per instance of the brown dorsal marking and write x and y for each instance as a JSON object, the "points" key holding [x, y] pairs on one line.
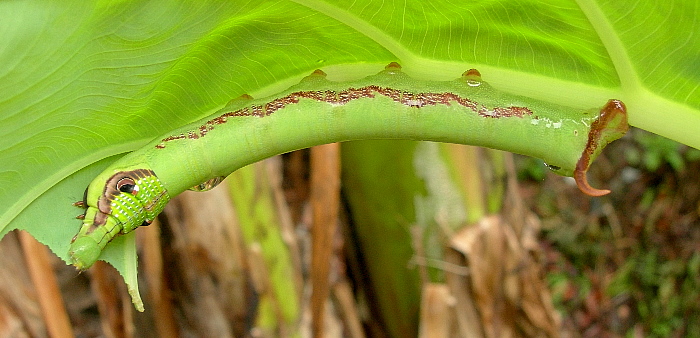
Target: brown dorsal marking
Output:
{"points": [[416, 100]]}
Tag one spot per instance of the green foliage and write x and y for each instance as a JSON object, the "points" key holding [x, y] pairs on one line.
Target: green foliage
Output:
{"points": [[645, 262], [83, 82], [667, 291], [259, 219], [656, 151], [381, 186]]}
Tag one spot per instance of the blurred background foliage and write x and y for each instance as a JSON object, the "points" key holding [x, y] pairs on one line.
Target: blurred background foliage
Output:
{"points": [[237, 262], [425, 239], [627, 265]]}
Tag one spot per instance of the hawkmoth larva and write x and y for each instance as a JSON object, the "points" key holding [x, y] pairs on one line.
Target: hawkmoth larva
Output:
{"points": [[389, 105]]}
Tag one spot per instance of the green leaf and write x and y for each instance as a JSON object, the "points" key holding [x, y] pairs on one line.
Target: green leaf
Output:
{"points": [[384, 214], [82, 81]]}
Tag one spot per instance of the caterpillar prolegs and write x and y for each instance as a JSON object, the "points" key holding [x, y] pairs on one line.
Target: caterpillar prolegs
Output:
{"points": [[388, 105]]}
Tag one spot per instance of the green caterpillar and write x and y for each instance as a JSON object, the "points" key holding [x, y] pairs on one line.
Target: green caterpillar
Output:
{"points": [[389, 105]]}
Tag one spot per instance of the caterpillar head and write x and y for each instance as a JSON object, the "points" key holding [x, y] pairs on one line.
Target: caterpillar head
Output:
{"points": [[115, 205]]}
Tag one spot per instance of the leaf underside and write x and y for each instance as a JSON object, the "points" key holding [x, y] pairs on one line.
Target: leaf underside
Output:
{"points": [[82, 83]]}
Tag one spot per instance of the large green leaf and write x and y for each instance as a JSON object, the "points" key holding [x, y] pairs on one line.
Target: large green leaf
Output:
{"points": [[82, 81]]}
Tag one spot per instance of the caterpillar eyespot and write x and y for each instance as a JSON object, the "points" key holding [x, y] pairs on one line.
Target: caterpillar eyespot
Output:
{"points": [[116, 205], [388, 105], [127, 185]]}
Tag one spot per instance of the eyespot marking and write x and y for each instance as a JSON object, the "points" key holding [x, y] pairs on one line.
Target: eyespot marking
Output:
{"points": [[127, 185]]}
